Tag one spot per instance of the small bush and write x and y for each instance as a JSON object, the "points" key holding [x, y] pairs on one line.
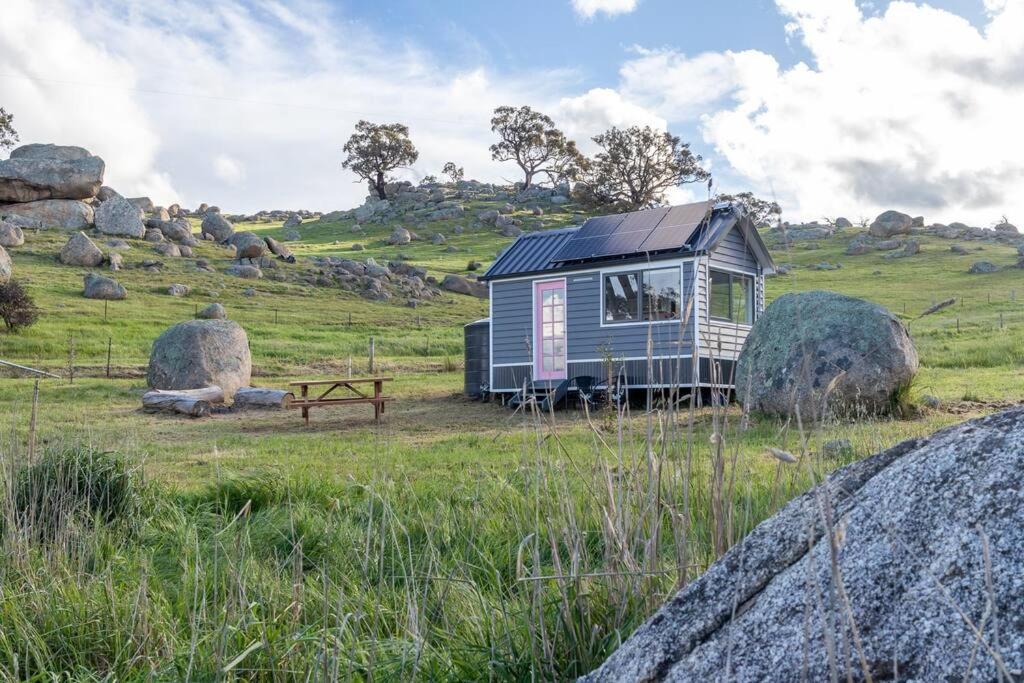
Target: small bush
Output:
{"points": [[17, 309], [76, 485]]}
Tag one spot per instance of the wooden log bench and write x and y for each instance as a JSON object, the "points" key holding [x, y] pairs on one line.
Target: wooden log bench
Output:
{"points": [[354, 394]]}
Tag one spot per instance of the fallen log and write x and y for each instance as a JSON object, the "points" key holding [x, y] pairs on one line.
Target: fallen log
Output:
{"points": [[262, 398], [212, 394], [169, 402], [935, 308]]}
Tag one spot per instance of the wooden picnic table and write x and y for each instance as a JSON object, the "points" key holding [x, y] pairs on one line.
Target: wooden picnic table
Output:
{"points": [[355, 395]]}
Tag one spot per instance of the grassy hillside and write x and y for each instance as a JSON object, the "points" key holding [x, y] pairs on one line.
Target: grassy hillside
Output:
{"points": [[454, 540]]}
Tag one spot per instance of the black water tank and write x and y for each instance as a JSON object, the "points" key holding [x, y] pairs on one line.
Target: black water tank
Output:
{"points": [[478, 358]]}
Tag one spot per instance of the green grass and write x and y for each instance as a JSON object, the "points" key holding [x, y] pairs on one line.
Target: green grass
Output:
{"points": [[431, 545]]}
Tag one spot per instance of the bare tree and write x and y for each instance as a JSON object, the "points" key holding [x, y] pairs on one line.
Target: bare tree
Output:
{"points": [[530, 139], [761, 211], [8, 136], [377, 149], [455, 173], [636, 166]]}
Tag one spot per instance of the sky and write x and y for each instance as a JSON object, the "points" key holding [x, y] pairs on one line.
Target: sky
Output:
{"points": [[832, 107]]}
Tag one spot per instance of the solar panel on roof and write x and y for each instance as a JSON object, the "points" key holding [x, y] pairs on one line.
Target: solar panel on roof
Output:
{"points": [[677, 227]]}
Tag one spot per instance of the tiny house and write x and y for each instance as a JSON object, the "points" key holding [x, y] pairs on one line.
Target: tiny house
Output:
{"points": [[657, 298]]}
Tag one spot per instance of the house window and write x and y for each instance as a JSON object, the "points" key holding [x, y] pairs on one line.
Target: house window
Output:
{"points": [[642, 296], [732, 297]]}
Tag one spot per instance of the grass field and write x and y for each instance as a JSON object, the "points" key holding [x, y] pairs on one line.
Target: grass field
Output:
{"points": [[455, 540]]}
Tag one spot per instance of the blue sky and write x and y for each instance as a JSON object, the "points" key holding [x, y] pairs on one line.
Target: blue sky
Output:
{"points": [[833, 107]]}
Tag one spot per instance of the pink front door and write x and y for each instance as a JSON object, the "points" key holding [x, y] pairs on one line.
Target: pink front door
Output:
{"points": [[549, 330]]}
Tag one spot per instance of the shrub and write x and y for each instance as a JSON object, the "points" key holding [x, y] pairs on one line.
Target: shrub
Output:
{"points": [[16, 306], [76, 485]]}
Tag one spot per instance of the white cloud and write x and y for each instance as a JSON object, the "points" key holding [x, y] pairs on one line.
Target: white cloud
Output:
{"points": [[913, 109], [211, 95], [227, 169], [596, 111], [588, 8]]}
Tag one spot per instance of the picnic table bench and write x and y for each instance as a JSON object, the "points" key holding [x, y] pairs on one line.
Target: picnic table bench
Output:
{"points": [[305, 400]]}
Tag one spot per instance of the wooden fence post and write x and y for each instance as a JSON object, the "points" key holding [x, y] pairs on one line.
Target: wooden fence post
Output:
{"points": [[32, 423], [373, 351], [110, 341]]}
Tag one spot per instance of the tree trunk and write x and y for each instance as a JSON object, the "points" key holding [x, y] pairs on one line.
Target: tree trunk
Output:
{"points": [[261, 397], [379, 184], [527, 181], [168, 402]]}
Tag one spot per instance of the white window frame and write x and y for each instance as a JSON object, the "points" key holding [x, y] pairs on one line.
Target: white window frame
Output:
{"points": [[636, 268], [753, 296]]}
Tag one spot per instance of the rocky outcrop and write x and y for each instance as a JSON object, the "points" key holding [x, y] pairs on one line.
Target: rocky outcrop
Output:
{"points": [[37, 172], [885, 571], [824, 353], [100, 287], [79, 250], [217, 227], [891, 223], [118, 216], [201, 353], [67, 214]]}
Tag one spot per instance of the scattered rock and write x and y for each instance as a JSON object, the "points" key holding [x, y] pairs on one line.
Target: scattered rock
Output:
{"points": [[979, 267], [143, 204], [916, 530], [100, 287], [213, 312], [843, 223], [826, 266], [201, 353], [461, 285], [118, 216], [178, 290], [185, 251], [292, 236], [154, 236], [249, 292], [115, 261], [6, 266], [11, 235], [292, 221], [821, 349], [81, 251], [168, 250], [358, 247], [67, 214], [559, 199], [929, 401], [399, 236], [957, 249], [438, 238], [248, 245], [244, 271], [217, 227], [891, 223]]}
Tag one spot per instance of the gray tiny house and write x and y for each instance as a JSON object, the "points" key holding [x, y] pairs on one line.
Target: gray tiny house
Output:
{"points": [[659, 298]]}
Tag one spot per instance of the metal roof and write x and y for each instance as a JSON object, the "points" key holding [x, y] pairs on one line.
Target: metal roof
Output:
{"points": [[530, 253], [675, 231]]}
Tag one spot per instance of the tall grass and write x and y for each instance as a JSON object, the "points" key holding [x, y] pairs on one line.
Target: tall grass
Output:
{"points": [[538, 573]]}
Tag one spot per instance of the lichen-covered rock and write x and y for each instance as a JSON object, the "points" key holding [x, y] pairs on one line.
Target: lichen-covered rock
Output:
{"points": [[247, 245], [30, 175], [201, 353], [982, 267], [399, 236], [79, 250], [11, 235], [213, 312], [118, 216], [245, 271], [6, 266], [67, 214], [100, 287], [824, 353], [916, 533]]}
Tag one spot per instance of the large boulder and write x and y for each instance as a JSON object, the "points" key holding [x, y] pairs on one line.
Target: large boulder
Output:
{"points": [[214, 311], [891, 223], [201, 353], [118, 216], [924, 545], [177, 230], [248, 245], [11, 235], [68, 214], [824, 353], [100, 287], [216, 226], [461, 285], [36, 172], [81, 251], [6, 266], [399, 236], [143, 204]]}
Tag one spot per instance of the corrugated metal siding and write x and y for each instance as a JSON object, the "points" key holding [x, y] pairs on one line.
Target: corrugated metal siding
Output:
{"points": [[511, 321], [530, 253], [511, 378]]}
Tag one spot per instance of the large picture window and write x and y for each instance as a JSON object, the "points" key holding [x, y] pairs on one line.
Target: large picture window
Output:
{"points": [[732, 297], [642, 296]]}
